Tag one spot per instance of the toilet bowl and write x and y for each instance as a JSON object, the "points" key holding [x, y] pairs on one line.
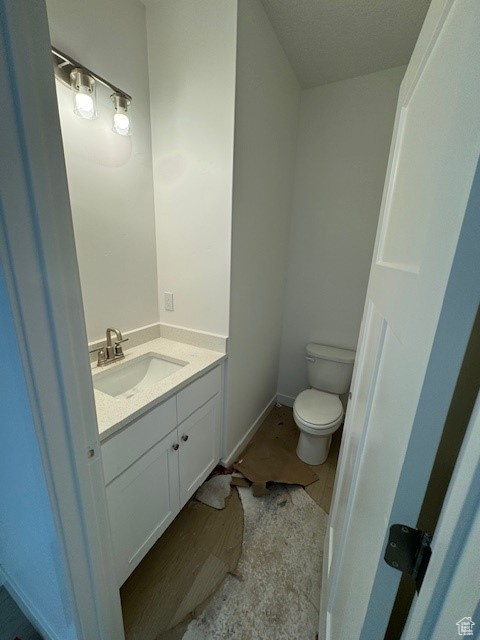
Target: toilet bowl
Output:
{"points": [[318, 412], [318, 415]]}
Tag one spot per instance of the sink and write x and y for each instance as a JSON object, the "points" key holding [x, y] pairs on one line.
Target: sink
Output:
{"points": [[127, 379]]}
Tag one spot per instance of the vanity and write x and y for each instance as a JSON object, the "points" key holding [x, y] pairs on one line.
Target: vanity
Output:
{"points": [[159, 439]]}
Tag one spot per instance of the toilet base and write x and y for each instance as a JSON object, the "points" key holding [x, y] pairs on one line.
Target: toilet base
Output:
{"points": [[313, 449]]}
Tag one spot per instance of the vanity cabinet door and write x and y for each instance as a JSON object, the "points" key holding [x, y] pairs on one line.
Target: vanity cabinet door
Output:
{"points": [[142, 502], [199, 438]]}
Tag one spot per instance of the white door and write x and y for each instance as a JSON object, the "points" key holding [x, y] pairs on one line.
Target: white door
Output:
{"points": [[434, 153]]}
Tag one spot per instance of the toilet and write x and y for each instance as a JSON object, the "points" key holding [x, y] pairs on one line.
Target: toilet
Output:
{"points": [[318, 412]]}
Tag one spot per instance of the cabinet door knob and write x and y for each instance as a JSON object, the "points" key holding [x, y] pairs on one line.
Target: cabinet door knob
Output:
{"points": [[175, 446], [185, 438]]}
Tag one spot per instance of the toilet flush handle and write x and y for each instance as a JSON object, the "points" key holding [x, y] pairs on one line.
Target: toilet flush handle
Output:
{"points": [[310, 359]]}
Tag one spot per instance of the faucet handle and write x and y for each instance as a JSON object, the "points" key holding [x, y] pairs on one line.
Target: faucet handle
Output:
{"points": [[95, 350], [118, 351], [102, 357]]}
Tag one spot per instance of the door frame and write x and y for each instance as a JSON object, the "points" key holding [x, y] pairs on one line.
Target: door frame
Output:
{"points": [[41, 272], [451, 592]]}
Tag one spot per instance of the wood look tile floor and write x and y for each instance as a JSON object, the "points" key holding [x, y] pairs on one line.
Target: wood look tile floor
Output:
{"points": [[180, 574]]}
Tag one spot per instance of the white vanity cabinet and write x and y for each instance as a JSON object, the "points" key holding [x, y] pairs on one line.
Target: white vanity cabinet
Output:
{"points": [[156, 463]]}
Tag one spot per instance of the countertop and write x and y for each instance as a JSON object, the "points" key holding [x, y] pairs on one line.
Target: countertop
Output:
{"points": [[114, 413]]}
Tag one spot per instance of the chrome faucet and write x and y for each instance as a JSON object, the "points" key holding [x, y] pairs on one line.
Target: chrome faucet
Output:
{"points": [[112, 351]]}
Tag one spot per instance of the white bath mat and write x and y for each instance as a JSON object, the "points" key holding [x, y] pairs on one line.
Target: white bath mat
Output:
{"points": [[277, 593]]}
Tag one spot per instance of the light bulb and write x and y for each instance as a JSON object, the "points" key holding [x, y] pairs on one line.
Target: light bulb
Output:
{"points": [[84, 106], [121, 124], [84, 94], [121, 121]]}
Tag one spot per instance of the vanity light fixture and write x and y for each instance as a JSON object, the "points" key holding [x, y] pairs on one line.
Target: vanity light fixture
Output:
{"points": [[121, 121], [84, 94], [83, 83]]}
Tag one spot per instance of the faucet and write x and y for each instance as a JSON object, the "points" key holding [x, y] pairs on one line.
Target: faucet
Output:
{"points": [[112, 351]]}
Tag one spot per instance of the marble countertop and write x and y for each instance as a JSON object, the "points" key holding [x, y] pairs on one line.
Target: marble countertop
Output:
{"points": [[115, 413]]}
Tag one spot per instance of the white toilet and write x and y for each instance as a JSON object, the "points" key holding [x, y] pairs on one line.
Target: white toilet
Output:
{"points": [[318, 412]]}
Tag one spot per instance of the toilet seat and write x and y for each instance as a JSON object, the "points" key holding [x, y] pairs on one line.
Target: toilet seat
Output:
{"points": [[318, 412]]}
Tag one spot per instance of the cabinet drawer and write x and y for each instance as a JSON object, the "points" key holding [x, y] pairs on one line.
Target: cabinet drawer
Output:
{"points": [[197, 393], [125, 447]]}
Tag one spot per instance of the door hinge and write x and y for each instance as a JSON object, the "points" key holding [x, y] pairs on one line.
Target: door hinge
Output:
{"points": [[409, 551]]}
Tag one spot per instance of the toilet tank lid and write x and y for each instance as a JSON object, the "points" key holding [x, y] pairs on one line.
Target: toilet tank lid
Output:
{"points": [[330, 353]]}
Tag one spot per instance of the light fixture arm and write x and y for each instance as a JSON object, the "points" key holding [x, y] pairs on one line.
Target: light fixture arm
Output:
{"points": [[64, 65]]}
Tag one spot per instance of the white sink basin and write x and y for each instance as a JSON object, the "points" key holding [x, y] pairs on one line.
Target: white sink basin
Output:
{"points": [[129, 378]]}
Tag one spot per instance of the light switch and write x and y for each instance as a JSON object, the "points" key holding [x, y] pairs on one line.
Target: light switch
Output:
{"points": [[168, 300]]}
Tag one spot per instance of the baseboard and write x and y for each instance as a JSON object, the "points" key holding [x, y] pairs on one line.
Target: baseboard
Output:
{"points": [[286, 400], [226, 462], [29, 610]]}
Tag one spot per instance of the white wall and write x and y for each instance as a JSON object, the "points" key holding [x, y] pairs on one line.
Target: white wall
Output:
{"points": [[191, 51], [28, 540], [344, 139], [266, 115], [110, 176]]}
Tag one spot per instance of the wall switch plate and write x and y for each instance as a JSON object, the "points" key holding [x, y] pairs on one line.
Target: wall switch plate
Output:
{"points": [[168, 297]]}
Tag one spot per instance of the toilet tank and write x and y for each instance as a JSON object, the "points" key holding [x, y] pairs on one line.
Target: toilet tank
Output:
{"points": [[329, 368]]}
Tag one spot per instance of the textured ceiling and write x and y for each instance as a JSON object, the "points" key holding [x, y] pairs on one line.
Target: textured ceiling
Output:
{"points": [[329, 40]]}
